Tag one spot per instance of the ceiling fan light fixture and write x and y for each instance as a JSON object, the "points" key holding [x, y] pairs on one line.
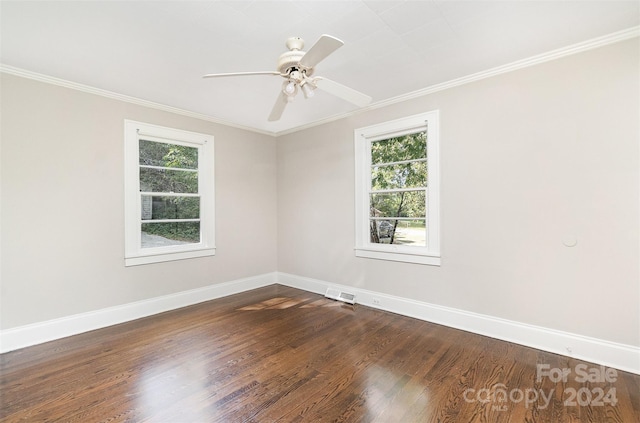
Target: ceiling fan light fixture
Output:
{"points": [[290, 88], [307, 89]]}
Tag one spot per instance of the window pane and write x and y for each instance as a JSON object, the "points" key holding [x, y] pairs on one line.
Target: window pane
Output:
{"points": [[407, 175], [170, 207], [166, 234], [168, 155], [165, 180], [398, 204], [406, 147], [399, 232]]}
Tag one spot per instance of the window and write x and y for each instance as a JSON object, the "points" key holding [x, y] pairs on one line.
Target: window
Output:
{"points": [[169, 194], [397, 189]]}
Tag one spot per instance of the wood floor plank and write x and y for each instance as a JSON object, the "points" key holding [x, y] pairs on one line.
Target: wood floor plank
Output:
{"points": [[278, 354]]}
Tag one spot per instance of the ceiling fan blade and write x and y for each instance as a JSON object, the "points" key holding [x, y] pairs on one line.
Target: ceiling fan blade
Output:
{"points": [[217, 75], [278, 108], [321, 49], [345, 93]]}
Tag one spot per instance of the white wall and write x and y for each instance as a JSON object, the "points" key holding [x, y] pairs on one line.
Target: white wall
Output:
{"points": [[528, 158], [62, 205]]}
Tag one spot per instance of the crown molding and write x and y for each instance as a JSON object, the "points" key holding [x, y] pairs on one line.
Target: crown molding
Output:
{"points": [[510, 67], [12, 70]]}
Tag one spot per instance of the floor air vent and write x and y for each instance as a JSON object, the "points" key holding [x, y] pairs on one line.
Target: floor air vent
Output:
{"points": [[336, 294]]}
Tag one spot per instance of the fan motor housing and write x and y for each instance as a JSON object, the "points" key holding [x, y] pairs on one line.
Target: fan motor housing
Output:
{"points": [[291, 60]]}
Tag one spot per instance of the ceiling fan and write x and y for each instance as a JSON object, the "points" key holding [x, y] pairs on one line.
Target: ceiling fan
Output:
{"points": [[297, 68]]}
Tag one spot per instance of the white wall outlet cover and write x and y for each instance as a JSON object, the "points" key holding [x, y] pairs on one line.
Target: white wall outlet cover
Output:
{"points": [[569, 241]]}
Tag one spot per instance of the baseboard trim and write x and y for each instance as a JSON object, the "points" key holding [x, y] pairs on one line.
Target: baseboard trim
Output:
{"points": [[620, 356], [38, 333]]}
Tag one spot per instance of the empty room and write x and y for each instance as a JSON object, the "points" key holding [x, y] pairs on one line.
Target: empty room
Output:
{"points": [[320, 211]]}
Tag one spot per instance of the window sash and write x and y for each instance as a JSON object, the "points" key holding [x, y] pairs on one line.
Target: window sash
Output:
{"points": [[364, 137], [391, 190], [168, 194], [134, 252], [424, 159], [396, 218], [169, 220], [168, 168]]}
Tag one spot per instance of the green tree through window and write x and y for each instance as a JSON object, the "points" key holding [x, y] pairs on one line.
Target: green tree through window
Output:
{"points": [[169, 189], [398, 182]]}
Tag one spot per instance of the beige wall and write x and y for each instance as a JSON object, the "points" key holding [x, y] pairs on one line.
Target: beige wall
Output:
{"points": [[527, 159], [62, 205]]}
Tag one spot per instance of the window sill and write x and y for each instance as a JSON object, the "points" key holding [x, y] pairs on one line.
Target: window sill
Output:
{"points": [[162, 257], [430, 260]]}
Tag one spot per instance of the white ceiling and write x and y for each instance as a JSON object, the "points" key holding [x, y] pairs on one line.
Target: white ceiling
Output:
{"points": [[158, 50]]}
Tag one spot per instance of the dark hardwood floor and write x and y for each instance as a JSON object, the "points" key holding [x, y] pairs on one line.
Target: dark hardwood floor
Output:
{"points": [[281, 354]]}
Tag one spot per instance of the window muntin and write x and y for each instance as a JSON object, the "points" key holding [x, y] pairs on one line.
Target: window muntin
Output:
{"points": [[169, 194], [397, 211]]}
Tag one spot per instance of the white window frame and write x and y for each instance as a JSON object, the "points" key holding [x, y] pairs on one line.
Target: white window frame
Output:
{"points": [[134, 253], [430, 254]]}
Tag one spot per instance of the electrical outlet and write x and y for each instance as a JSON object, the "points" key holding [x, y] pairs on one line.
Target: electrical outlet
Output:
{"points": [[376, 301]]}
